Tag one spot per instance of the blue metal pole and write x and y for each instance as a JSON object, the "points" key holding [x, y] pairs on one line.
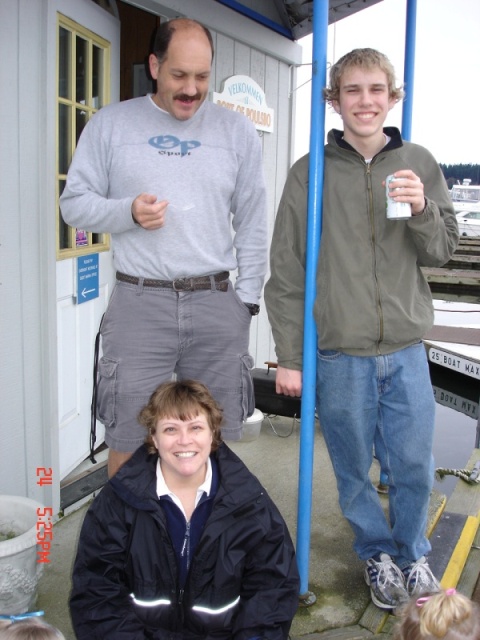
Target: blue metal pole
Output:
{"points": [[409, 70], [316, 163]]}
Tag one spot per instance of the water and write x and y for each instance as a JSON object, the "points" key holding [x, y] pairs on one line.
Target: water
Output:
{"points": [[457, 411]]}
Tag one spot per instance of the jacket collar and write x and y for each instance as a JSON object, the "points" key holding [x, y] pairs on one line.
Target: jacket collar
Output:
{"points": [[135, 482], [238, 486], [335, 137]]}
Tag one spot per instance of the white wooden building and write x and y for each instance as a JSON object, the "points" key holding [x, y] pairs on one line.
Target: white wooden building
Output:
{"points": [[61, 60]]}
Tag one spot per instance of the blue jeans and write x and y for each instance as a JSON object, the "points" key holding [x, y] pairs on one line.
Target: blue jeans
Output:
{"points": [[389, 400]]}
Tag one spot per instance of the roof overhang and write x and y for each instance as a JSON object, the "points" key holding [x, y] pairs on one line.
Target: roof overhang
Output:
{"points": [[293, 18]]}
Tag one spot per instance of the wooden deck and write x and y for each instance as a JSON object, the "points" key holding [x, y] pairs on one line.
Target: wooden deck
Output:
{"points": [[455, 557], [458, 335], [460, 277]]}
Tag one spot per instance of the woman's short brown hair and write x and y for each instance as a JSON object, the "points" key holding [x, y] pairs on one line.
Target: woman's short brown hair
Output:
{"points": [[182, 400]]}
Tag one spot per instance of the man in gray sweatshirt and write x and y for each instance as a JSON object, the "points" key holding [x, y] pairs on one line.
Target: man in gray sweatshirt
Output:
{"points": [[178, 182]]}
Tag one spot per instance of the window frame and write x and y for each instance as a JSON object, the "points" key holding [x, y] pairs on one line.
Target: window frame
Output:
{"points": [[92, 242]]}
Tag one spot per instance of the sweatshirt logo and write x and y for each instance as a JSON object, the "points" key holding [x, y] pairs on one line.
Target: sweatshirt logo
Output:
{"points": [[172, 146]]}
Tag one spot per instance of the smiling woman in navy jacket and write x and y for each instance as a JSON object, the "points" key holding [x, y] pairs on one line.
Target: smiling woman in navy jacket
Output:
{"points": [[184, 542]]}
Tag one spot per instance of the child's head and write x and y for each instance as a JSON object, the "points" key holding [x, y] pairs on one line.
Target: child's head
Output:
{"points": [[366, 59], [28, 629], [446, 615]]}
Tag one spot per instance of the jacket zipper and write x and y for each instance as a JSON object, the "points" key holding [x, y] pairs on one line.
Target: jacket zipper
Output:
{"points": [[181, 608], [185, 551], [186, 545], [372, 226]]}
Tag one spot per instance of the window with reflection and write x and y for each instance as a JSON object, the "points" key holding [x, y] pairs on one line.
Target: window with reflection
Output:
{"points": [[83, 65]]}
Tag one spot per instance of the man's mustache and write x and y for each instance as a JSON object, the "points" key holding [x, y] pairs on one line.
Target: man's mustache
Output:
{"points": [[186, 98]]}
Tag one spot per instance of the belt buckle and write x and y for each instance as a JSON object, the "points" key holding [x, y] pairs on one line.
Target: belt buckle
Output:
{"points": [[182, 284]]}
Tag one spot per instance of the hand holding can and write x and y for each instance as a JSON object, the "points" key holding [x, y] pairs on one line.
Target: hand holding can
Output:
{"points": [[396, 210]]}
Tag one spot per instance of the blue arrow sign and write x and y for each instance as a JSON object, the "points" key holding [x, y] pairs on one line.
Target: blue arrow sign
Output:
{"points": [[87, 278]]}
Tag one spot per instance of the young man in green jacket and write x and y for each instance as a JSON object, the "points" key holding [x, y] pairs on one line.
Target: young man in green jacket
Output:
{"points": [[373, 307]]}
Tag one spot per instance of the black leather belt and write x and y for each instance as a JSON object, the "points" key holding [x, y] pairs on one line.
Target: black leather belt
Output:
{"points": [[181, 284]]}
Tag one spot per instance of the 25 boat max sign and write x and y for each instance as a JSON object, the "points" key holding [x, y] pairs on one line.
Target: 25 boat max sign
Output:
{"points": [[454, 362]]}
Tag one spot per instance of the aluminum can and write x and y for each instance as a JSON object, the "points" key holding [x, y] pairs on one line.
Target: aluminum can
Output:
{"points": [[396, 210]]}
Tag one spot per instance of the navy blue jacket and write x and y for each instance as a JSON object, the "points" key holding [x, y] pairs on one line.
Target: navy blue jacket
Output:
{"points": [[242, 582]]}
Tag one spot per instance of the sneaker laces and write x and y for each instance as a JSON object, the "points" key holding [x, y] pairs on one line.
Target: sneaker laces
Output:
{"points": [[387, 582], [385, 571], [419, 578]]}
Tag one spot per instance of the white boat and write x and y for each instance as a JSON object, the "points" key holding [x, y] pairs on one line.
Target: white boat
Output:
{"points": [[465, 196], [469, 222]]}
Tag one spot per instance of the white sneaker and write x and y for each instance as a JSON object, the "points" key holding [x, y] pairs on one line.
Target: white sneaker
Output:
{"points": [[419, 578], [386, 581]]}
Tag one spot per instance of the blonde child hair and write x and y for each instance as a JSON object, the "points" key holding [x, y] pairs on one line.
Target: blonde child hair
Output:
{"points": [[446, 615], [28, 629]]}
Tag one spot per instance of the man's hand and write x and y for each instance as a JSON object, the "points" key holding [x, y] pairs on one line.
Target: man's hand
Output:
{"points": [[288, 382], [149, 213], [410, 190]]}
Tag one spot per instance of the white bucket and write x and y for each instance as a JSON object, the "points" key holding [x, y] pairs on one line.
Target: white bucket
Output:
{"points": [[19, 570], [252, 426]]}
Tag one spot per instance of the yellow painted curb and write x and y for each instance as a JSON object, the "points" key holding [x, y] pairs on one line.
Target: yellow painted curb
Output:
{"points": [[438, 514], [459, 556]]}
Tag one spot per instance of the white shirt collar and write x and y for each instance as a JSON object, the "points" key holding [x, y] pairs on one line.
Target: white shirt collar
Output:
{"points": [[163, 490], [387, 140]]}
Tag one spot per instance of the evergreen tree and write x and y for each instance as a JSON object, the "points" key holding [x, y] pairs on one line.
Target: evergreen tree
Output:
{"points": [[457, 173]]}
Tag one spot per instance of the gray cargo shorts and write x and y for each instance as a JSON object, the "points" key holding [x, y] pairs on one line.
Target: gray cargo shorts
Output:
{"points": [[149, 334]]}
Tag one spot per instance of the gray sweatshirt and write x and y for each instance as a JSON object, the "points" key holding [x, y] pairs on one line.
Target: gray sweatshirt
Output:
{"points": [[210, 170]]}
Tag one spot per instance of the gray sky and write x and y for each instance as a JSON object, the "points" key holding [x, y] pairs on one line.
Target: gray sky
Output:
{"points": [[446, 104]]}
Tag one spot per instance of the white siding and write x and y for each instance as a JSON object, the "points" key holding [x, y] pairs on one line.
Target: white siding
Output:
{"points": [[29, 421], [234, 25], [274, 77], [27, 257]]}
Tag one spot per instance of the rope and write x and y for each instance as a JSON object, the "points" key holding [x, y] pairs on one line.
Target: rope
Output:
{"points": [[471, 476]]}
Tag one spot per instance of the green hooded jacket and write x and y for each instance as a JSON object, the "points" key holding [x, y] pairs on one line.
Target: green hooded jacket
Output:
{"points": [[372, 297]]}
